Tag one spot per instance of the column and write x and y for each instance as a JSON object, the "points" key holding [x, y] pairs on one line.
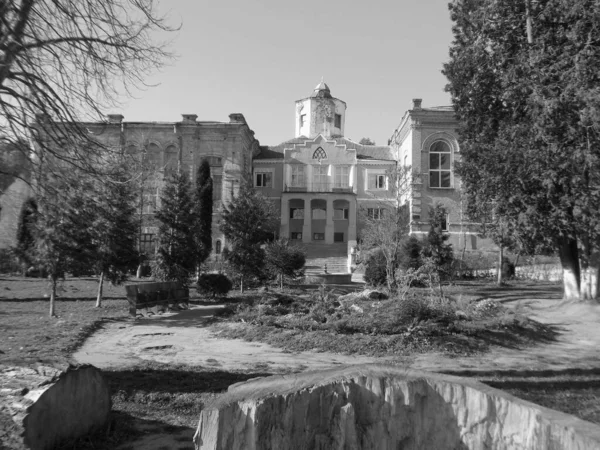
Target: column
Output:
{"points": [[329, 221], [352, 218], [284, 231], [306, 228]]}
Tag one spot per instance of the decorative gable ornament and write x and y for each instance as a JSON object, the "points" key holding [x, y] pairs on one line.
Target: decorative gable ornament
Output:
{"points": [[319, 154]]}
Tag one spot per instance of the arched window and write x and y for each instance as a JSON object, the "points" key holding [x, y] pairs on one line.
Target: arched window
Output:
{"points": [[440, 171], [218, 247], [319, 154]]}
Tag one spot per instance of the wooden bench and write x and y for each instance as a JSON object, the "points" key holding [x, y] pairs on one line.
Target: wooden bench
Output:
{"points": [[156, 295]]}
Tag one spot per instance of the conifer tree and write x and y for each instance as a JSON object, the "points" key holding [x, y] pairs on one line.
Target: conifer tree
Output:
{"points": [[24, 250], [248, 222], [176, 255], [284, 260], [203, 210]]}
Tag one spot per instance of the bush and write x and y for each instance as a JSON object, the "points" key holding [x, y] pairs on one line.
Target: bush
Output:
{"points": [[410, 254], [213, 284], [375, 273], [508, 269]]}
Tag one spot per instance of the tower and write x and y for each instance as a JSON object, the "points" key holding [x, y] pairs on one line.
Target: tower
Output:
{"points": [[320, 114]]}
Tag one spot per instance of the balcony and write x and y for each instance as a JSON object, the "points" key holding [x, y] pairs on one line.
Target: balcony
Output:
{"points": [[320, 187]]}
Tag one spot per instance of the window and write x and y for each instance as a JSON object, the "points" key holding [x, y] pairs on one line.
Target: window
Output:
{"points": [[340, 214], [376, 181], [320, 178], [217, 187], [302, 120], [296, 236], [342, 176], [218, 247], [338, 121], [318, 236], [445, 223], [439, 165], [263, 179], [296, 213], [147, 246], [319, 154], [375, 213], [171, 159], [338, 237], [298, 179], [149, 202], [319, 214]]}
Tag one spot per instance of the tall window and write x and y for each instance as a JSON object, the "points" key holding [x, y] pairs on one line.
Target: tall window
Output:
{"points": [[296, 213], [298, 179], [302, 120], [342, 176], [171, 159], [320, 178], [439, 165], [218, 247], [338, 121], [147, 244], [263, 179], [217, 187], [376, 181]]}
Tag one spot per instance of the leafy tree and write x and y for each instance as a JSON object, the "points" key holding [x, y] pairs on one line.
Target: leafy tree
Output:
{"points": [[284, 260], [64, 59], [203, 210], [248, 222], [213, 284], [366, 141], [523, 79], [24, 250], [176, 256], [375, 269]]}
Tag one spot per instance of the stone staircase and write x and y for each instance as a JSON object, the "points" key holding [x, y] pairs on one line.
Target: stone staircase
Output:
{"points": [[332, 255]]}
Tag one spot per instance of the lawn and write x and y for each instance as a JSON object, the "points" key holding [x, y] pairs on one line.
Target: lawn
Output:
{"points": [[168, 398]]}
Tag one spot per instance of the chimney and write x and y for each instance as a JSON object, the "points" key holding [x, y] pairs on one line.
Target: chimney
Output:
{"points": [[189, 118], [236, 117], [417, 103], [115, 118]]}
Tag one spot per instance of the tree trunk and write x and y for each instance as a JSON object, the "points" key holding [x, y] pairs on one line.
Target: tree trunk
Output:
{"points": [[241, 285], [500, 261], [100, 286], [281, 282], [53, 295], [569, 260]]}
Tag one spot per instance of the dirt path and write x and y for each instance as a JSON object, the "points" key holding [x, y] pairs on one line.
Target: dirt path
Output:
{"points": [[185, 337]]}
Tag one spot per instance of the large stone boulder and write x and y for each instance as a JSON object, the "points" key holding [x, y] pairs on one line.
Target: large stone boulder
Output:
{"points": [[381, 407], [42, 406]]}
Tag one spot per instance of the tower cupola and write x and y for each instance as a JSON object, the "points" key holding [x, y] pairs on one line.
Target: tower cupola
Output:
{"points": [[320, 113]]}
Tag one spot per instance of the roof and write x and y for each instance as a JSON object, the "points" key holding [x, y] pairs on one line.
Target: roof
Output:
{"points": [[383, 152]]}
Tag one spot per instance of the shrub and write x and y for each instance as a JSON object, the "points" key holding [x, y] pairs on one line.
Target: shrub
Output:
{"points": [[410, 254], [508, 269], [375, 273], [213, 284]]}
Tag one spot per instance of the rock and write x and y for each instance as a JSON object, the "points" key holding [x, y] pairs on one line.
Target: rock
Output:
{"points": [[372, 294], [383, 407], [367, 294], [358, 309], [42, 406]]}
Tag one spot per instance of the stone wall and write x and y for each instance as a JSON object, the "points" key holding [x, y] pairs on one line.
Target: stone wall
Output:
{"points": [[383, 407], [43, 406]]}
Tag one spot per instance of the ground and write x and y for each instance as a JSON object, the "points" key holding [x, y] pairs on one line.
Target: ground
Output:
{"points": [[164, 368]]}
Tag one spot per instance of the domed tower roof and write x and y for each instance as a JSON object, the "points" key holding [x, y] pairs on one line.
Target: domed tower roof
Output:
{"points": [[322, 90]]}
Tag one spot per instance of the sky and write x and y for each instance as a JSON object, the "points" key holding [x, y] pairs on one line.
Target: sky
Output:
{"points": [[257, 57]]}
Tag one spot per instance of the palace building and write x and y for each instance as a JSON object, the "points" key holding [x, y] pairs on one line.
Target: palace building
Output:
{"points": [[322, 182]]}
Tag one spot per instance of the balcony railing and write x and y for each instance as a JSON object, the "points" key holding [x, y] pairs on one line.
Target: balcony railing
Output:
{"points": [[320, 187]]}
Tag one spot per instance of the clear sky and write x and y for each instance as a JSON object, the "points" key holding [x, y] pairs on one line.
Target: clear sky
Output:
{"points": [[257, 57]]}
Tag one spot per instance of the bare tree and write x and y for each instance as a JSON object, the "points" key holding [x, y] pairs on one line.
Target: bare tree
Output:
{"points": [[67, 61], [385, 227]]}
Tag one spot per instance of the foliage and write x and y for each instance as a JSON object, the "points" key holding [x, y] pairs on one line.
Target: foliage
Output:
{"points": [[523, 79], [375, 269], [410, 255], [176, 255], [437, 254], [248, 221], [213, 284], [26, 233], [62, 60], [284, 260], [366, 141], [203, 209]]}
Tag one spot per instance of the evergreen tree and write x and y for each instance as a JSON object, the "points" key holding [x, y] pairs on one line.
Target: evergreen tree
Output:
{"points": [[24, 250], [203, 212], [284, 260], [523, 79], [176, 255], [437, 254], [247, 223], [114, 230]]}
